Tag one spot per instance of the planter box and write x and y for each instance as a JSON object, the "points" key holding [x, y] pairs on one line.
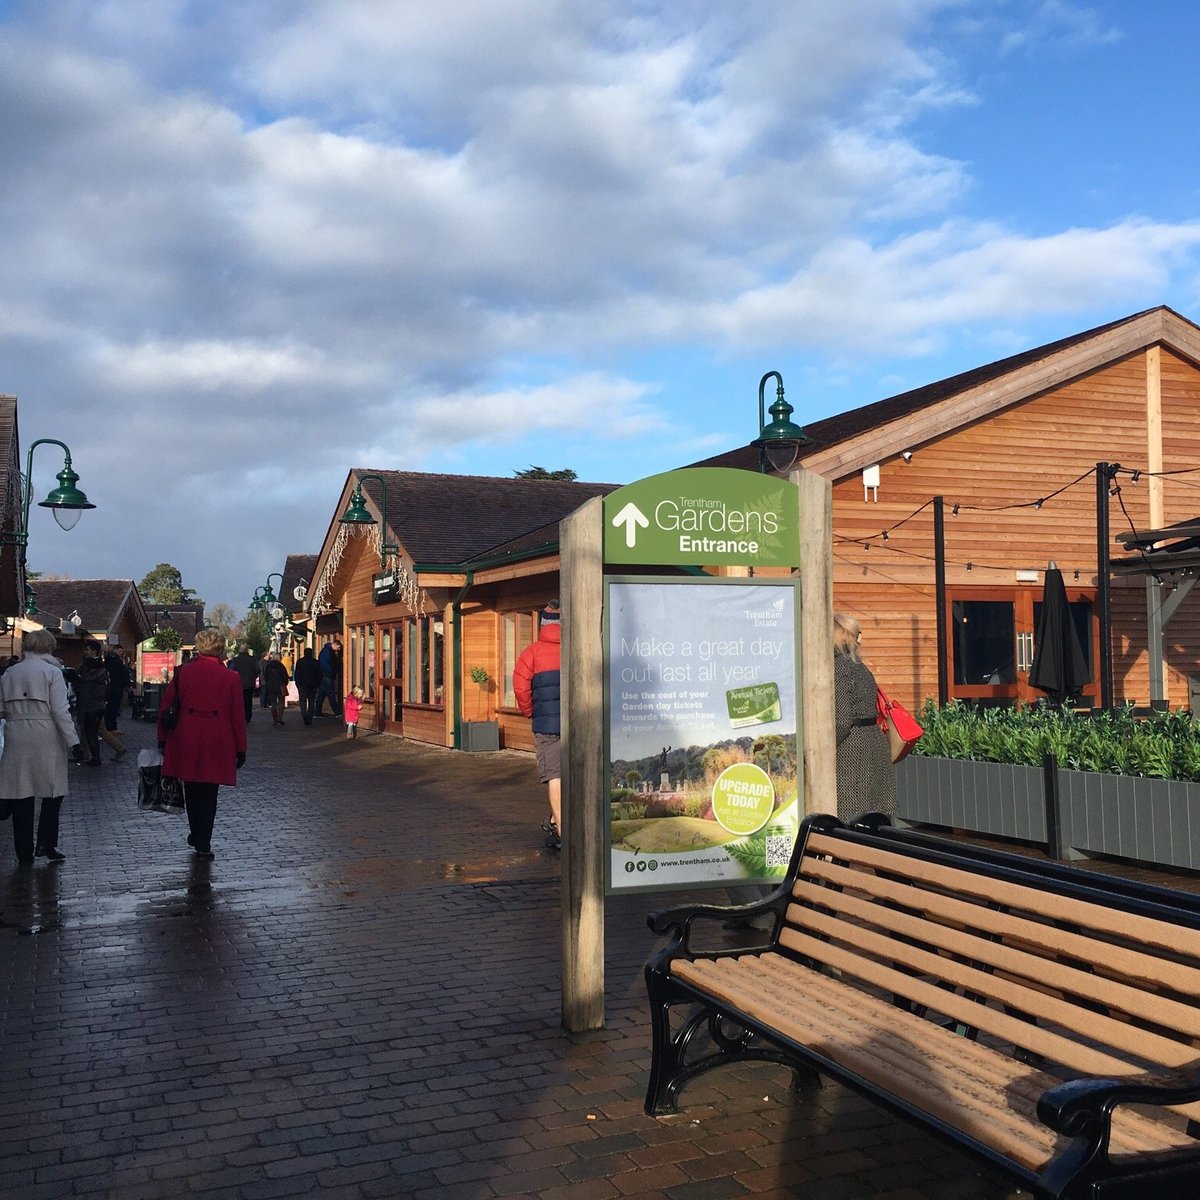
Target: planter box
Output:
{"points": [[1146, 820], [476, 736], [997, 799]]}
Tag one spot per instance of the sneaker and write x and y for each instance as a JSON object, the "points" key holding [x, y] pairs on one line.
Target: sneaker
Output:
{"points": [[553, 841], [52, 854]]}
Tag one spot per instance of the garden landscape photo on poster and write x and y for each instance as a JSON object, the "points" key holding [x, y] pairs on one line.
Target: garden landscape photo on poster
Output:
{"points": [[702, 719]]}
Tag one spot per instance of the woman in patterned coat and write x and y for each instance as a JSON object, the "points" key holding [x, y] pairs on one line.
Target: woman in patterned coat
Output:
{"points": [[866, 781]]}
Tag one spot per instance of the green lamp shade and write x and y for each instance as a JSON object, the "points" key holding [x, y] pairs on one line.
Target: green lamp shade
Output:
{"points": [[67, 501], [357, 513], [781, 428]]}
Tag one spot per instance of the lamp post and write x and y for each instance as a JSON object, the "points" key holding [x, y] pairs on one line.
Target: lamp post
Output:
{"points": [[66, 501], [357, 515], [779, 442]]}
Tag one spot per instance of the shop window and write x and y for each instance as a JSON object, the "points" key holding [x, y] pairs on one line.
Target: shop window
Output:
{"points": [[516, 634], [425, 680]]}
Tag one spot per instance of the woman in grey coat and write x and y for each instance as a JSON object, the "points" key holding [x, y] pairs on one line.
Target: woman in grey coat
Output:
{"points": [[866, 781], [38, 735]]}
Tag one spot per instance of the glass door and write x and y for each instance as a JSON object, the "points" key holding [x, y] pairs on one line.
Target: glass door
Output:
{"points": [[390, 680]]}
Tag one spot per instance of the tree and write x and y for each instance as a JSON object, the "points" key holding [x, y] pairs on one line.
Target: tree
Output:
{"points": [[164, 585], [256, 632], [166, 639], [563, 474], [221, 616]]}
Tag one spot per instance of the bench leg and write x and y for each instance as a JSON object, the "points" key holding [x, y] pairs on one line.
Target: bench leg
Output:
{"points": [[671, 1065]]}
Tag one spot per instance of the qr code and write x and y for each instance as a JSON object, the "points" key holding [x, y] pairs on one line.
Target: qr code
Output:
{"points": [[779, 850]]}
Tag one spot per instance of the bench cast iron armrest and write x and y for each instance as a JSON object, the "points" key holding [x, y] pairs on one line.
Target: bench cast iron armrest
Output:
{"points": [[677, 922], [1075, 1107]]}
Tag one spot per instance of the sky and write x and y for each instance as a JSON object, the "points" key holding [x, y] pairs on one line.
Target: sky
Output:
{"points": [[246, 247]]}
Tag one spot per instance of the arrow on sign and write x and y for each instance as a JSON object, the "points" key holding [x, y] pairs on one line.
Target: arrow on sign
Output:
{"points": [[631, 517]]}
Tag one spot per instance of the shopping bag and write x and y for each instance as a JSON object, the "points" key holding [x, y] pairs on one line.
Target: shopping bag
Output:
{"points": [[902, 728], [170, 795], [157, 792]]}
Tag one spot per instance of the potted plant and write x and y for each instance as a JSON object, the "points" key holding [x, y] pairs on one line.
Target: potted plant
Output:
{"points": [[480, 734]]}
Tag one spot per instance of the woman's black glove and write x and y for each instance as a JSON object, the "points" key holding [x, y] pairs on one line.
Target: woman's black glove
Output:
{"points": [[241, 759]]}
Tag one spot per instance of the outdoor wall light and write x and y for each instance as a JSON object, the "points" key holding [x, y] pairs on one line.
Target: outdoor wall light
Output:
{"points": [[779, 442], [357, 516]]}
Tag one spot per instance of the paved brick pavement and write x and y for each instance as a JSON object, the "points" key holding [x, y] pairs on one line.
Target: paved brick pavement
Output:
{"points": [[359, 998]]}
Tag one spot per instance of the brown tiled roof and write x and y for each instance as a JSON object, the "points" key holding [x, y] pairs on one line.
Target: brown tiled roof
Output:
{"points": [[453, 518], [101, 603], [843, 426], [298, 569], [185, 619]]}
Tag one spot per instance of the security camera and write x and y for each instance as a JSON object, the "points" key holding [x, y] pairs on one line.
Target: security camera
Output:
{"points": [[906, 455]]}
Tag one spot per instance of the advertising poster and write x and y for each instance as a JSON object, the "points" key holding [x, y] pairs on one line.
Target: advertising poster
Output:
{"points": [[703, 763], [155, 662]]}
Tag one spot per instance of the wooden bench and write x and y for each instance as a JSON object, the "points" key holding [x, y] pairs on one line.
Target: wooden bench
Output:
{"points": [[1042, 1017]]}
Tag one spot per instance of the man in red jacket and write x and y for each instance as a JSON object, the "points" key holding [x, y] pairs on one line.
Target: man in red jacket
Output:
{"points": [[536, 684]]}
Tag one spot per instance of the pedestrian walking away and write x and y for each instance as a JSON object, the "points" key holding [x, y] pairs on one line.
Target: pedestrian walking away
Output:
{"points": [[39, 735], [91, 692], [307, 678], [119, 681], [275, 679], [536, 684], [207, 747], [247, 672], [866, 780]]}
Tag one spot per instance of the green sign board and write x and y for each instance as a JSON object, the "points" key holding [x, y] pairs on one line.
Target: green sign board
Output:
{"points": [[704, 516]]}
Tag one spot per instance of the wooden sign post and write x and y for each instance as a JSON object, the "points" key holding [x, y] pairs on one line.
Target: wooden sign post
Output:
{"points": [[585, 773]]}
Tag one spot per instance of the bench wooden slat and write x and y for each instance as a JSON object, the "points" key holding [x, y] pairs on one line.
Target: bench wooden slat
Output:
{"points": [[949, 1077], [932, 980], [1115, 959], [931, 1082], [1012, 1029], [1041, 973], [1153, 1049], [1021, 1083], [1162, 934]]}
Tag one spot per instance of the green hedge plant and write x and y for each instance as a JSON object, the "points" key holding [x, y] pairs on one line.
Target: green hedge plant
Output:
{"points": [[1161, 746]]}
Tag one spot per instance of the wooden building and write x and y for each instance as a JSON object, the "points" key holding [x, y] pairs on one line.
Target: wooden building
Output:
{"points": [[108, 611], [1047, 455], [470, 561], [1012, 449]]}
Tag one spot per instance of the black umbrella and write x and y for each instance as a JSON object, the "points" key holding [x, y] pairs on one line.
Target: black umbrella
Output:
{"points": [[1059, 668]]}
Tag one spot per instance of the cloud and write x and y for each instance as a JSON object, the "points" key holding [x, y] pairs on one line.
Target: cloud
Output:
{"points": [[906, 295], [311, 231]]}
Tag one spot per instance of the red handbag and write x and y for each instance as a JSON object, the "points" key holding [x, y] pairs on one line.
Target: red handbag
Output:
{"points": [[902, 728]]}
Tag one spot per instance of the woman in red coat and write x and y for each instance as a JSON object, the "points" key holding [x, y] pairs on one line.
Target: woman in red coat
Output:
{"points": [[208, 744]]}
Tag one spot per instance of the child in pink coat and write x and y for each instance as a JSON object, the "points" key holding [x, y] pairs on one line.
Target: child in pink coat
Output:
{"points": [[351, 709]]}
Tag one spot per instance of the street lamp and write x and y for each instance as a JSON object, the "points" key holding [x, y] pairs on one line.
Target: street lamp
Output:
{"points": [[357, 516], [66, 501], [268, 595], [778, 443]]}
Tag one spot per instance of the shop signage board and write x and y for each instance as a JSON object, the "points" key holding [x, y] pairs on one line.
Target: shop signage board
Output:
{"points": [[702, 714], [703, 517]]}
